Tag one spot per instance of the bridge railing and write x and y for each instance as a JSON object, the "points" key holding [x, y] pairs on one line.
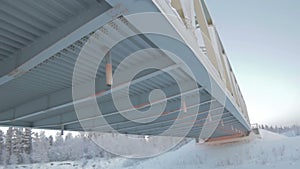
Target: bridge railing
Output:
{"points": [[195, 19]]}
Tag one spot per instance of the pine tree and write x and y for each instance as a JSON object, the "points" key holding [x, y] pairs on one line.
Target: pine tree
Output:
{"points": [[17, 148], [1, 146], [50, 140], [59, 140], [8, 144], [40, 148], [26, 145], [27, 141]]}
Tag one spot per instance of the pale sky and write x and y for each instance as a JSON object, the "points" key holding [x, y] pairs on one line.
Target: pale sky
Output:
{"points": [[262, 41]]}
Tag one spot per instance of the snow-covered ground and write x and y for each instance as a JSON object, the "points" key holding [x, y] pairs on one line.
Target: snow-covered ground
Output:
{"points": [[272, 151], [290, 133]]}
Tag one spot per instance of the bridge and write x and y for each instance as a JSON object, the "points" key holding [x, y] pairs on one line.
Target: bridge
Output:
{"points": [[58, 59]]}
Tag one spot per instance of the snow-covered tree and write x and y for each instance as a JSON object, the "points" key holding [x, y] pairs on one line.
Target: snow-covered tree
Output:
{"points": [[74, 145], [17, 148], [40, 148], [69, 137], [23, 146], [50, 140], [27, 141], [1, 146], [8, 144], [59, 140], [26, 145]]}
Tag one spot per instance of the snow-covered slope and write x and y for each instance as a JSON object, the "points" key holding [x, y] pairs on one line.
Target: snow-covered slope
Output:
{"points": [[272, 151], [269, 136]]}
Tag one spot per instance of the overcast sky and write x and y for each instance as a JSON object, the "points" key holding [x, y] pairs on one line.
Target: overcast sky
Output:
{"points": [[262, 41]]}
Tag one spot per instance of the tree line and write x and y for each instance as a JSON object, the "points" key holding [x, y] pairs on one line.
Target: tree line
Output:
{"points": [[294, 129], [23, 146]]}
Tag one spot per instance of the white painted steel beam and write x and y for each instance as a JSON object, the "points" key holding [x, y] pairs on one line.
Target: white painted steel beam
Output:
{"points": [[48, 45]]}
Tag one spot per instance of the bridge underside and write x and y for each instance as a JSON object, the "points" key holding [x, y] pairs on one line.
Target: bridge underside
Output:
{"points": [[36, 79]]}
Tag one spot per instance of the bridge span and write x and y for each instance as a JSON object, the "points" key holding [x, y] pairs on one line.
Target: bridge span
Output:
{"points": [[151, 67]]}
